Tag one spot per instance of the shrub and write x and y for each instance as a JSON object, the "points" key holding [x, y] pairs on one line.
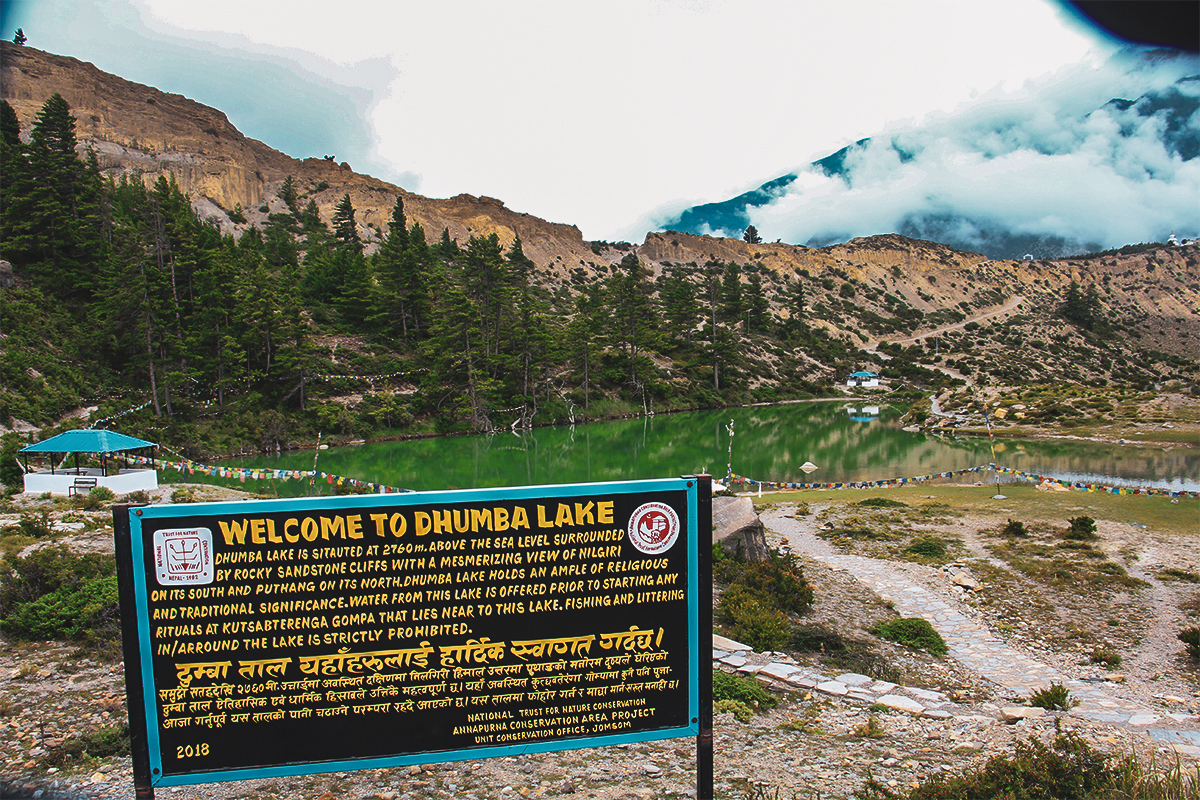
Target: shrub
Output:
{"points": [[1191, 639], [814, 638], [779, 582], [881, 502], [10, 471], [1174, 574], [740, 711], [183, 496], [742, 690], [100, 743], [36, 526], [751, 621], [140, 496], [1111, 659], [1014, 527], [53, 593], [1066, 768], [102, 493], [914, 633], [1083, 529], [1056, 697], [928, 546], [871, 729]]}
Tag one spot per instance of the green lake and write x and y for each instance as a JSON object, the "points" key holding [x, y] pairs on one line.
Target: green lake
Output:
{"points": [[847, 441]]}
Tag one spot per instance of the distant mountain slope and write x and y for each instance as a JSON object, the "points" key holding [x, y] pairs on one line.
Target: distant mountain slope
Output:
{"points": [[1041, 175]]}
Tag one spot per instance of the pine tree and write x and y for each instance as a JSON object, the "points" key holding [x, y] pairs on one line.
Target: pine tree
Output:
{"points": [[287, 193], [345, 229], [758, 307], [15, 181], [680, 307], [19, 37], [732, 303], [585, 334], [751, 235], [48, 234], [401, 294], [459, 388], [1077, 309], [629, 298], [398, 227], [315, 229], [486, 282], [530, 332], [10, 126], [793, 300], [447, 248]]}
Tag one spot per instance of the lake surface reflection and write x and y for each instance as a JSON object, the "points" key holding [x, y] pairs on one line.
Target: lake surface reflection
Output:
{"points": [[847, 442]]}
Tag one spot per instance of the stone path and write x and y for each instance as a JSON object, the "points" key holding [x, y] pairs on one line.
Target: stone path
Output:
{"points": [[971, 643]]}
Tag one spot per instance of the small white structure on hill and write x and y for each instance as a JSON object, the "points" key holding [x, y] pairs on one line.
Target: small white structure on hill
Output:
{"points": [[862, 380]]}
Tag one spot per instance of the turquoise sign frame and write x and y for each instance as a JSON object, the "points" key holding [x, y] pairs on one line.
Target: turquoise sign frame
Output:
{"points": [[177, 551]]}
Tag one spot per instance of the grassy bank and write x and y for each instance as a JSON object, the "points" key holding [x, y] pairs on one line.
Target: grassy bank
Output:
{"points": [[1024, 501]]}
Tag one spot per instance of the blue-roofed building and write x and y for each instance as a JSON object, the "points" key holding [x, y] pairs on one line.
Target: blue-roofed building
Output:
{"points": [[56, 477]]}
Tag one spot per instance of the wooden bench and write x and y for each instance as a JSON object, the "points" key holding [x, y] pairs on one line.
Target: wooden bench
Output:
{"points": [[80, 484]]}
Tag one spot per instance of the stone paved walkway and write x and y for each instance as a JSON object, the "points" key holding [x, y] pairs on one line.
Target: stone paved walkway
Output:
{"points": [[971, 643]]}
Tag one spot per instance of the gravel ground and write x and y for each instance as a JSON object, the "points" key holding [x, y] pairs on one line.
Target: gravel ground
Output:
{"points": [[808, 747]]}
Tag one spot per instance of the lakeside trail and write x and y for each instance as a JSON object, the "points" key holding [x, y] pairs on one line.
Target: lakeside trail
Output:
{"points": [[1015, 673]]}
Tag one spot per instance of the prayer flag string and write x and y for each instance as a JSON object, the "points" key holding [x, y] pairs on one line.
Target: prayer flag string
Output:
{"points": [[888, 483]]}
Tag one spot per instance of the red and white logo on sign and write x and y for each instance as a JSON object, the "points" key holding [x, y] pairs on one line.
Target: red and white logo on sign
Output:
{"points": [[183, 555], [653, 528]]}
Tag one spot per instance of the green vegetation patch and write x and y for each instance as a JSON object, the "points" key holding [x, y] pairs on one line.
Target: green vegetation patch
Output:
{"points": [[742, 690], [86, 748], [1173, 574], [53, 593], [759, 597], [928, 546], [1191, 641], [881, 502], [1067, 768], [914, 633], [1055, 697]]}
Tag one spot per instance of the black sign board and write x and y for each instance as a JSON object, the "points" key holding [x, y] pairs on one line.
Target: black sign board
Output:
{"points": [[284, 637]]}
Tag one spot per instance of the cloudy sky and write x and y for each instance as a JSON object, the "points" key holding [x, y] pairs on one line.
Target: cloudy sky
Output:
{"points": [[601, 113]]}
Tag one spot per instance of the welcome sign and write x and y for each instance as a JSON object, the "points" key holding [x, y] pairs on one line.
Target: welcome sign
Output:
{"points": [[323, 634]]}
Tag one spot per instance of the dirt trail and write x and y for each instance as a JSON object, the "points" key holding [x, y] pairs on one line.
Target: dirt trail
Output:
{"points": [[872, 346], [1012, 303]]}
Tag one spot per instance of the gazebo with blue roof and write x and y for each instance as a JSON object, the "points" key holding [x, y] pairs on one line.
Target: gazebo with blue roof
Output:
{"points": [[862, 379], [79, 479]]}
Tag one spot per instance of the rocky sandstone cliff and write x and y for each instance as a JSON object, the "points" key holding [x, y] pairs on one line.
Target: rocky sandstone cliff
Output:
{"points": [[142, 132]]}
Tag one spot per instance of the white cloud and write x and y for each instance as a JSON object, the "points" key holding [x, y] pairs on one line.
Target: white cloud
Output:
{"points": [[591, 112], [1029, 161]]}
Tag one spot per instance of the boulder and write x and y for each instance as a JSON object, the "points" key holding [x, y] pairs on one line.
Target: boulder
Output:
{"points": [[7, 281], [738, 528]]}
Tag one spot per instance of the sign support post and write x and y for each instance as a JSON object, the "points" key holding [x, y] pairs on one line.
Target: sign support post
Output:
{"points": [[132, 655], [704, 740]]}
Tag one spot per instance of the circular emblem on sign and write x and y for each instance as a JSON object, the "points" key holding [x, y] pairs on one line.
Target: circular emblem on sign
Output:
{"points": [[653, 528]]}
